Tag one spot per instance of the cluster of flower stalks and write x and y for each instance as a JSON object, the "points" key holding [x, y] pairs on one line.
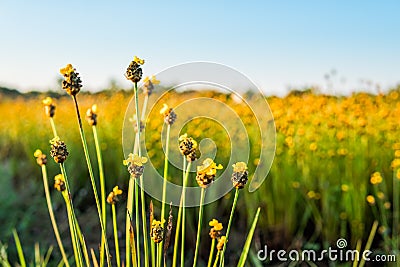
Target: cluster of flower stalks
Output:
{"points": [[147, 242]]}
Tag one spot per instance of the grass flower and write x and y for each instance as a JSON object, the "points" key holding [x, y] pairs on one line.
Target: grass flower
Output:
{"points": [[240, 175], [134, 71], [148, 85], [72, 82], [91, 115], [187, 146], [135, 164], [112, 198], [41, 158], [59, 150], [49, 107], [157, 231], [59, 183], [169, 114], [221, 242], [216, 227], [133, 120], [206, 172]]}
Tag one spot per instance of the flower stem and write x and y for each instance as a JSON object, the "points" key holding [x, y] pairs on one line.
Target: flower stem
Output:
{"points": [[216, 258], [85, 148], [52, 217], [68, 198], [142, 196], [196, 253], [102, 189], [129, 208], [53, 127], [164, 190], [211, 253], [78, 256], [178, 222], [114, 216], [184, 184], [229, 226]]}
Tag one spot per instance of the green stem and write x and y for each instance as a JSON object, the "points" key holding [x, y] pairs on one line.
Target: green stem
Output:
{"points": [[216, 258], [153, 254], [53, 127], [196, 253], [164, 190], [142, 198], [88, 162], [102, 189], [68, 200], [137, 221], [78, 257], [129, 208], [178, 227], [114, 215], [184, 185], [52, 217], [19, 249], [211, 253], [229, 226], [178, 222]]}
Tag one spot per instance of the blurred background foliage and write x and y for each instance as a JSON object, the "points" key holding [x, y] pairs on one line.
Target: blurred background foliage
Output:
{"points": [[318, 190]]}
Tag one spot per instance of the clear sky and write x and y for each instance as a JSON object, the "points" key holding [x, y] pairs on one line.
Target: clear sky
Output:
{"points": [[278, 44]]}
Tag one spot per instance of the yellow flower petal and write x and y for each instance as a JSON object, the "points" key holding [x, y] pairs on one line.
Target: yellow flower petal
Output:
{"points": [[239, 167], [47, 101], [164, 109], [37, 153]]}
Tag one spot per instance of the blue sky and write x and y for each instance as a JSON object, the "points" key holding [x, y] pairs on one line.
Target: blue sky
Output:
{"points": [[278, 44]]}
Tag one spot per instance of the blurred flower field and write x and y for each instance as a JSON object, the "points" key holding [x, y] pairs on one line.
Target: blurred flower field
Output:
{"points": [[336, 168]]}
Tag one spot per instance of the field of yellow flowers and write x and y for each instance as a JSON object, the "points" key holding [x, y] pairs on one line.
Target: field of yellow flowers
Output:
{"points": [[335, 172]]}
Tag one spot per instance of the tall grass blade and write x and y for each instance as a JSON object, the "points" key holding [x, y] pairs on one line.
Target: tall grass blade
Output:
{"points": [[249, 238]]}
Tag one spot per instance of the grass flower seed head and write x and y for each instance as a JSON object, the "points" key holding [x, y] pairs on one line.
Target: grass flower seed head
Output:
{"points": [[135, 164], [169, 114], [157, 231], [59, 183], [72, 82], [148, 85], [216, 227], [49, 107], [206, 172], [59, 150], [188, 146], [41, 158], [240, 175], [221, 243], [134, 71], [133, 120], [112, 198], [91, 115]]}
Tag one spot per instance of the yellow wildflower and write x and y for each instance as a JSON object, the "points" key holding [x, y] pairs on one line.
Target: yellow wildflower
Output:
{"points": [[216, 225], [138, 60], [371, 199], [135, 159], [209, 167], [239, 167], [221, 243], [67, 70]]}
